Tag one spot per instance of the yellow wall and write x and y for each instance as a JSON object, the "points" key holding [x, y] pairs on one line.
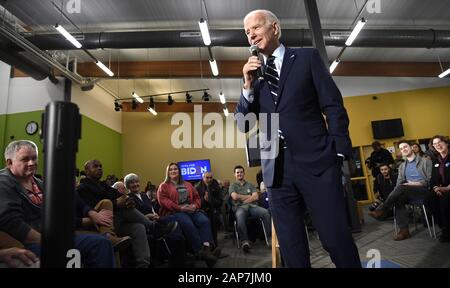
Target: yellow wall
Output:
{"points": [[424, 113], [147, 148]]}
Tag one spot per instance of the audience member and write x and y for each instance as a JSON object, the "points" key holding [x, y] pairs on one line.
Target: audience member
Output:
{"points": [[417, 149], [211, 201], [383, 185], [175, 240], [245, 198], [378, 156], [129, 221], [21, 207], [181, 200], [412, 182], [438, 200]]}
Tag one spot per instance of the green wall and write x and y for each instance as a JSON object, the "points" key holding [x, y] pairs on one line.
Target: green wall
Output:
{"points": [[97, 141]]}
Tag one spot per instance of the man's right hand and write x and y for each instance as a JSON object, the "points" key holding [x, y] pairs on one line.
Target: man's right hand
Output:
{"points": [[102, 218], [125, 201], [249, 71], [12, 257]]}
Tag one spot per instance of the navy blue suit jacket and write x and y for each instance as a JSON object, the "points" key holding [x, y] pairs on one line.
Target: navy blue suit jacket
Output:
{"points": [[306, 93]]}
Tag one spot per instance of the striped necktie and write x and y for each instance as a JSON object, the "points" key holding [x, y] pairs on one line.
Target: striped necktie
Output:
{"points": [[272, 78]]}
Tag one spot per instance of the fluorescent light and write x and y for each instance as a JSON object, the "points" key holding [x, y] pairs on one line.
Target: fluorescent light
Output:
{"points": [[152, 110], [104, 68], [334, 65], [355, 32], [214, 69], [68, 36], [445, 73], [222, 98], [225, 111], [137, 97], [205, 32]]}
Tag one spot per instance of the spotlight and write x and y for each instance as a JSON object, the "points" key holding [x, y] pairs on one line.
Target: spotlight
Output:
{"points": [[170, 100], [188, 98], [151, 107], [134, 104], [205, 96], [117, 106]]}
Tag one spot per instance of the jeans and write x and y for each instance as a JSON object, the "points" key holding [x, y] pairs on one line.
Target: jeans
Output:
{"points": [[196, 228], [242, 214], [96, 251]]}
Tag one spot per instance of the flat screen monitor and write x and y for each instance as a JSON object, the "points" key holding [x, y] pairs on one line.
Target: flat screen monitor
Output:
{"points": [[390, 128], [193, 170]]}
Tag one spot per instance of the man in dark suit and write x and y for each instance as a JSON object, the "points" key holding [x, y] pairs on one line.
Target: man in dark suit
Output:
{"points": [[305, 170]]}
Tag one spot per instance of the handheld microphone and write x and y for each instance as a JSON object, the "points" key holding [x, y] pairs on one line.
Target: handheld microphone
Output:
{"points": [[255, 52]]}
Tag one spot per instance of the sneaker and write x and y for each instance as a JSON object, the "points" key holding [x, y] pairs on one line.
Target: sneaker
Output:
{"points": [[164, 229], [246, 246], [119, 243]]}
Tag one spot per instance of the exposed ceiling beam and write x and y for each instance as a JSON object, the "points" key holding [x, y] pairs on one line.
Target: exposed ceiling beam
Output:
{"points": [[233, 69], [312, 14]]}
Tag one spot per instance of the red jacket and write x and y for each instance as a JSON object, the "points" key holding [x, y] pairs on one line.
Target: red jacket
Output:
{"points": [[168, 197]]}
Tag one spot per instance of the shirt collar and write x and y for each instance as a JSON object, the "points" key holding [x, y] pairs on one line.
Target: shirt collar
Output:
{"points": [[278, 53]]}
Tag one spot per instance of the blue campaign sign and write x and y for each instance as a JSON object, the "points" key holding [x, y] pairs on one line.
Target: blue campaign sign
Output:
{"points": [[193, 170]]}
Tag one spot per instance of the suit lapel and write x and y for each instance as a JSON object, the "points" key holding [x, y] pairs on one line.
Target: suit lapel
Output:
{"points": [[288, 60]]}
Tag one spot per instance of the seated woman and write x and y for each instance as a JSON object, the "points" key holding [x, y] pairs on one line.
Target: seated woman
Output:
{"points": [[144, 205], [181, 201], [438, 201]]}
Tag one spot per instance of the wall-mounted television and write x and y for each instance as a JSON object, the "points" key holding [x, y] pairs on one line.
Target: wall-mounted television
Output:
{"points": [[389, 128], [193, 170]]}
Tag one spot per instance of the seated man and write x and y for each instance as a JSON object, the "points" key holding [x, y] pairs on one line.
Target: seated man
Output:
{"points": [[383, 185], [413, 180], [211, 200], [245, 196], [129, 221], [99, 219], [21, 200]]}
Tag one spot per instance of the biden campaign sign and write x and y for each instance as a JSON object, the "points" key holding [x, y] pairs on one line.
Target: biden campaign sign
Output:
{"points": [[193, 170]]}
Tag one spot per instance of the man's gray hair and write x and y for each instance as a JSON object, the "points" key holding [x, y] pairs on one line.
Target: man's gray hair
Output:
{"points": [[270, 17], [116, 185], [13, 147], [130, 178]]}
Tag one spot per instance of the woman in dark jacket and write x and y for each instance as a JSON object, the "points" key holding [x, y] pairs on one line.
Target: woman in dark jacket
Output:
{"points": [[438, 201]]}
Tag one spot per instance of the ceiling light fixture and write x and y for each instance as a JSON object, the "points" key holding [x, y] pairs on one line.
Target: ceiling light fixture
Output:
{"points": [[68, 36], [355, 32], [445, 73], [225, 111], [170, 100], [203, 24], [188, 98], [104, 68], [152, 107], [334, 65], [205, 96], [117, 106], [134, 104], [214, 68], [222, 98], [136, 96]]}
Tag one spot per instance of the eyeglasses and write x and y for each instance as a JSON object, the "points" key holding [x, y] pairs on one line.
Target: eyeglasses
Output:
{"points": [[438, 143]]}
